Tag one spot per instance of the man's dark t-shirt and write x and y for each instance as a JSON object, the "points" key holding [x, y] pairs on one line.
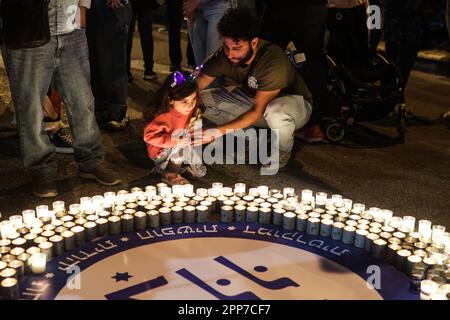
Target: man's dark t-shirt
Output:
{"points": [[272, 71]]}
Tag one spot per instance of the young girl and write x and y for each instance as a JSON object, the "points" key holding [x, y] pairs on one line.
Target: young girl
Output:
{"points": [[173, 115]]}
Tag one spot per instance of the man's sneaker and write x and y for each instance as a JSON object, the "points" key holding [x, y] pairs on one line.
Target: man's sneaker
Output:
{"points": [[310, 134], [63, 141], [103, 174], [116, 125], [44, 185], [150, 75]]}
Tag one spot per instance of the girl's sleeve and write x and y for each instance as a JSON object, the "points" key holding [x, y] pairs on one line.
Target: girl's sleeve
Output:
{"points": [[157, 134]]}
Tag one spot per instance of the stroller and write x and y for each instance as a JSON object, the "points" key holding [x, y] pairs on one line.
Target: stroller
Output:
{"points": [[362, 85]]}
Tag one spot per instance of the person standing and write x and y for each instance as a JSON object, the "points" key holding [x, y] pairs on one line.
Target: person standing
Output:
{"points": [[108, 22]]}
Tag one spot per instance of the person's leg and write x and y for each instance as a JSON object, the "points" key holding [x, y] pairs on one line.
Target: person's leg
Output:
{"points": [[224, 105], [213, 12], [313, 18], [145, 30], [30, 72], [72, 78], [190, 54], [130, 42], [286, 114], [198, 34], [111, 59], [174, 9]]}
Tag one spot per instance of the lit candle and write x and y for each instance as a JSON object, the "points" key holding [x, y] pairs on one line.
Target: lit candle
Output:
{"points": [[359, 206], [9, 289], [15, 221], [5, 228], [425, 229], [86, 204], [240, 188], [58, 206], [409, 223], [427, 287], [396, 222], [202, 192], [178, 190], [41, 211], [97, 203], [439, 294], [387, 216], [347, 204], [438, 231], [336, 198], [307, 195], [165, 191], [150, 191], [188, 189], [38, 263], [375, 212], [74, 208], [28, 217]]}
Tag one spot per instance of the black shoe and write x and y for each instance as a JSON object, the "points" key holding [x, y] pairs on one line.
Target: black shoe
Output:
{"points": [[116, 125], [103, 174], [150, 75], [44, 185], [173, 68], [63, 141]]}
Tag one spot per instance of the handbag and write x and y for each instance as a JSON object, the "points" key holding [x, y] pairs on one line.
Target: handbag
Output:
{"points": [[25, 23]]}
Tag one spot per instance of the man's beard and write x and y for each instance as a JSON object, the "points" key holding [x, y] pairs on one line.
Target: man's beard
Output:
{"points": [[242, 62]]}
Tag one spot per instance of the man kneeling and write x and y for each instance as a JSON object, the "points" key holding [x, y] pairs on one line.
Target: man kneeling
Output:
{"points": [[261, 86]]}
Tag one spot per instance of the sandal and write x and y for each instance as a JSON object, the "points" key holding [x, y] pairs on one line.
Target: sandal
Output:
{"points": [[174, 179]]}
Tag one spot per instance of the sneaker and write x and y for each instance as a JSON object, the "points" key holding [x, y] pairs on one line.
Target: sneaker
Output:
{"points": [[44, 185], [116, 125], [310, 134], [102, 174], [150, 75], [173, 68], [63, 141]]}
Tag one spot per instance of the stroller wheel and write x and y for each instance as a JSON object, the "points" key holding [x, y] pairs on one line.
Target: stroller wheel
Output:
{"points": [[334, 131]]}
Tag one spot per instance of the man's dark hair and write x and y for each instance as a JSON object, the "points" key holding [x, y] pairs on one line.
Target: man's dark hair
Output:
{"points": [[238, 24]]}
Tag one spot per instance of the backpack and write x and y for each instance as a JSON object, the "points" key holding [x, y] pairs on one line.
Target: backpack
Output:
{"points": [[24, 23]]}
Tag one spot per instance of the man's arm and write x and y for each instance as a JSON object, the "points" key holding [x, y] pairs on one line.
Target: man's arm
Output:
{"points": [[203, 81], [84, 5]]}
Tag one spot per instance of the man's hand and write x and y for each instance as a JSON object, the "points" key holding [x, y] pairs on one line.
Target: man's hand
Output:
{"points": [[205, 136], [190, 9], [115, 4]]}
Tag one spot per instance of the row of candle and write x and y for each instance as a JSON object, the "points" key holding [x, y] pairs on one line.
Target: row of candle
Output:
{"points": [[58, 230]]}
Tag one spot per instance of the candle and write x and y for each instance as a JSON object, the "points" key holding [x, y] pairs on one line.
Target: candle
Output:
{"points": [[165, 216], [58, 245], [15, 221], [226, 214], [188, 189], [371, 237], [336, 198], [28, 217], [153, 220], [58, 206], [302, 221], [69, 240], [265, 215], [188, 214], [395, 222], [79, 235], [240, 188], [348, 234], [5, 228], [150, 191], [165, 191], [24, 258], [127, 222], [38, 263], [439, 295], [178, 190], [47, 249], [239, 213], [90, 230], [41, 211], [277, 217], [325, 227], [375, 212], [401, 259], [9, 289], [253, 192], [202, 213], [359, 206], [177, 214], [97, 203], [425, 230], [251, 214], [427, 287], [409, 223], [437, 232], [227, 191], [360, 238], [202, 192], [387, 216], [313, 226], [289, 221], [109, 198]]}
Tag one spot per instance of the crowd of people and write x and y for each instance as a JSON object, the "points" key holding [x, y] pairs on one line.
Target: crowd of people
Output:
{"points": [[244, 76]]}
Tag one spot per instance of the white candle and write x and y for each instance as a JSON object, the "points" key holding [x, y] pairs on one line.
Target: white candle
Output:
{"points": [[240, 188], [359, 206], [445, 239], [307, 195], [97, 203], [387, 216], [409, 223], [121, 195], [28, 217], [289, 192], [41, 211], [427, 287], [178, 190], [438, 231], [202, 192], [321, 197], [425, 229], [188, 189], [5, 229], [347, 203], [150, 191], [396, 222], [38, 263], [336, 198], [227, 190], [263, 190], [15, 221], [439, 294], [254, 192], [375, 212], [164, 191], [109, 198], [58, 206]]}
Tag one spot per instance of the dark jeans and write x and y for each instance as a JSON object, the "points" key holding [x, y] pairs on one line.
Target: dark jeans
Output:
{"points": [[305, 26], [144, 19], [64, 58], [174, 16], [107, 31], [403, 32]]}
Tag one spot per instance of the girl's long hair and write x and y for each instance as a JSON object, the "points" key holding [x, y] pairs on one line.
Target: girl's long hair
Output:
{"points": [[171, 90]]}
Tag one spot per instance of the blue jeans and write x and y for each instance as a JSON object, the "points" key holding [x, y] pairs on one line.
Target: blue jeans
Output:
{"points": [[66, 59], [203, 32]]}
